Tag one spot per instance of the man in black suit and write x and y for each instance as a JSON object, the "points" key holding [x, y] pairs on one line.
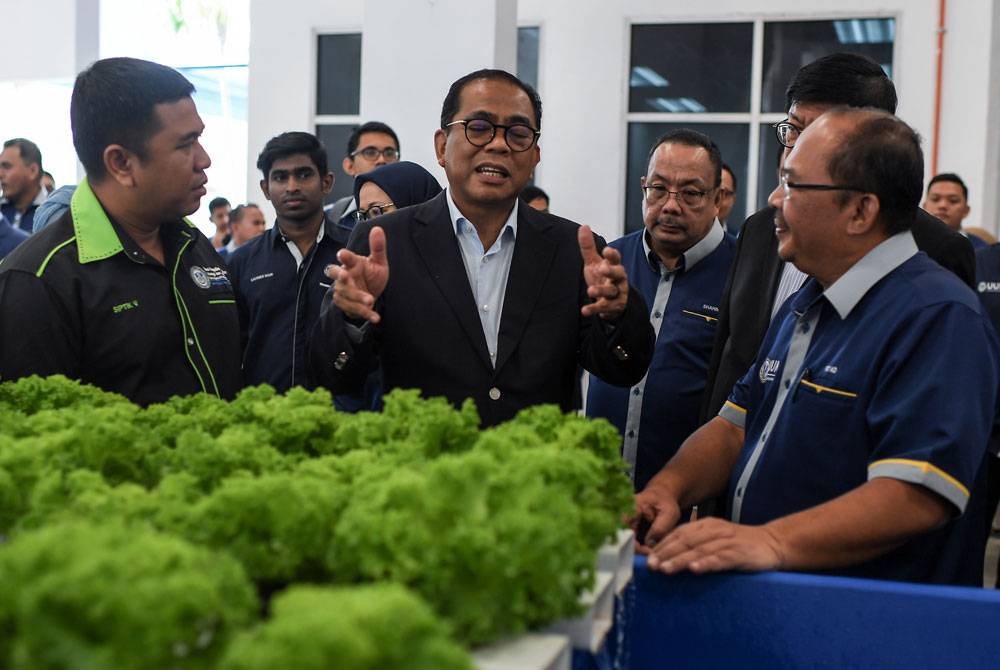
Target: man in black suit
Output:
{"points": [[759, 281], [472, 295]]}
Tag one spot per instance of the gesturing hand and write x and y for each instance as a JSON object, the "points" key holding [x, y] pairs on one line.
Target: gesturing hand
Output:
{"points": [[359, 280], [607, 284]]}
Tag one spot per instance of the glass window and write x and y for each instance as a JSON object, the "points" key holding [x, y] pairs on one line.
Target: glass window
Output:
{"points": [[788, 45], [527, 55], [767, 165], [334, 137], [691, 68], [732, 141], [338, 74]]}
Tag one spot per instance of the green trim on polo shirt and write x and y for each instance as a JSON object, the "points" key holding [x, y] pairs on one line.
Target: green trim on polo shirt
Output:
{"points": [[96, 238]]}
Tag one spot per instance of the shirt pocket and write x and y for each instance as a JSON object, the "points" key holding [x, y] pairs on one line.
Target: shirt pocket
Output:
{"points": [[701, 316], [825, 390]]}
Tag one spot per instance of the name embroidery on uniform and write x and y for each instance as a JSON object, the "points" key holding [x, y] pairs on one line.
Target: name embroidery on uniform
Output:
{"points": [[131, 304], [217, 276], [266, 275], [710, 308], [768, 370]]}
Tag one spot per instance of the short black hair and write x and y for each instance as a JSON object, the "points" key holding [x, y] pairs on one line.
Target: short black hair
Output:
{"points": [[30, 153], [951, 177], [452, 101], [691, 138], [290, 144], [369, 127], [114, 102], [216, 203], [236, 215], [529, 193], [881, 155], [845, 79], [726, 168]]}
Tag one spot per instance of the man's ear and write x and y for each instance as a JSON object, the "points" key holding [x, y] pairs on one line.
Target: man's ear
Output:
{"points": [[864, 215], [328, 181], [264, 189], [440, 140], [347, 165], [120, 164]]}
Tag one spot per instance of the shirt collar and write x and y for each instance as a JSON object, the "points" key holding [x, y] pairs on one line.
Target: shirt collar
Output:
{"points": [[96, 237], [457, 217], [845, 293], [700, 250]]}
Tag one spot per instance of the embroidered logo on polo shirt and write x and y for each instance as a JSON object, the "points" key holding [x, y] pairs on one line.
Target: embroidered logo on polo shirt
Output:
{"points": [[989, 287], [217, 276], [200, 277], [768, 370]]}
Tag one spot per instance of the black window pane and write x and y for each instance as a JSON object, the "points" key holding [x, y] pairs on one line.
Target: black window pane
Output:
{"points": [[334, 138], [790, 45], [527, 55], [693, 67], [338, 79], [732, 139], [767, 166]]}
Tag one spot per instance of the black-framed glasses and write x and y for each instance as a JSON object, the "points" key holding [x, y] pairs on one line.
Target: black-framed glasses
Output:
{"points": [[789, 186], [375, 210], [372, 153], [786, 133], [480, 132], [657, 193]]}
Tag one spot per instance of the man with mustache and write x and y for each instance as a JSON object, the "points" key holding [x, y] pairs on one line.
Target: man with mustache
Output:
{"points": [[121, 291], [473, 294], [845, 448], [679, 262]]}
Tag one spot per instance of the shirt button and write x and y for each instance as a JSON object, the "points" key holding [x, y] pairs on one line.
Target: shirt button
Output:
{"points": [[631, 433], [494, 393], [190, 342], [657, 315], [620, 353], [486, 259], [636, 391], [805, 328], [788, 382], [486, 308]]}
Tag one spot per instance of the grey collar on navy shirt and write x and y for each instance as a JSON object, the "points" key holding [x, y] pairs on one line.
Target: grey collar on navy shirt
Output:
{"points": [[701, 249], [845, 293]]}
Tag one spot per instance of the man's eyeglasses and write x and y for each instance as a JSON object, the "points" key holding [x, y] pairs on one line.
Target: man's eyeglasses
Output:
{"points": [[480, 132], [789, 186], [786, 133], [656, 193], [372, 153], [373, 211]]}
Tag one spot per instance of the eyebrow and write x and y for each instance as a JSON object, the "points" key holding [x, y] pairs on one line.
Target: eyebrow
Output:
{"points": [[490, 116]]}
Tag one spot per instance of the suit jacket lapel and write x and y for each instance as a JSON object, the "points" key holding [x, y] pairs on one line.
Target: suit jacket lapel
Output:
{"points": [[434, 239], [531, 264]]}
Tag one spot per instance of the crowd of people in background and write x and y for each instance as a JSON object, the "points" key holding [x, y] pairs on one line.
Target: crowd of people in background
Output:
{"points": [[821, 390]]}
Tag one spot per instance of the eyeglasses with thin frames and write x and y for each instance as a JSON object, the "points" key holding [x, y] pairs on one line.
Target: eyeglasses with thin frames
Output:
{"points": [[786, 132], [789, 186], [657, 194], [372, 153], [374, 211], [480, 132]]}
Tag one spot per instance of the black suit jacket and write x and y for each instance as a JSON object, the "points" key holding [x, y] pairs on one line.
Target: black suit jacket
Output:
{"points": [[430, 336], [745, 311]]}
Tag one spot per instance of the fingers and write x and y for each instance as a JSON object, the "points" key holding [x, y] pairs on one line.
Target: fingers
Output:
{"points": [[588, 247], [350, 292], [713, 545], [376, 246]]}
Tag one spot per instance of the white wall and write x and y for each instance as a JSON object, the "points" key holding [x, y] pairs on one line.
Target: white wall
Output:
{"points": [[582, 77]]}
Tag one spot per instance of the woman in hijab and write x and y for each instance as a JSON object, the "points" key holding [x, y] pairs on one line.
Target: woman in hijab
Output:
{"points": [[385, 189], [392, 186]]}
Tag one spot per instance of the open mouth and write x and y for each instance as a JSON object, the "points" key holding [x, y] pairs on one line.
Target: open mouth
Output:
{"points": [[493, 171]]}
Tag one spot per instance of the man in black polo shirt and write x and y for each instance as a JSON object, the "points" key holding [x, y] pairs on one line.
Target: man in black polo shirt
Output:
{"points": [[121, 291], [279, 276]]}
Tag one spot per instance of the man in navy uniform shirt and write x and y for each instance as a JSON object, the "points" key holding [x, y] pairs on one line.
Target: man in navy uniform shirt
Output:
{"points": [[679, 261], [846, 447]]}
